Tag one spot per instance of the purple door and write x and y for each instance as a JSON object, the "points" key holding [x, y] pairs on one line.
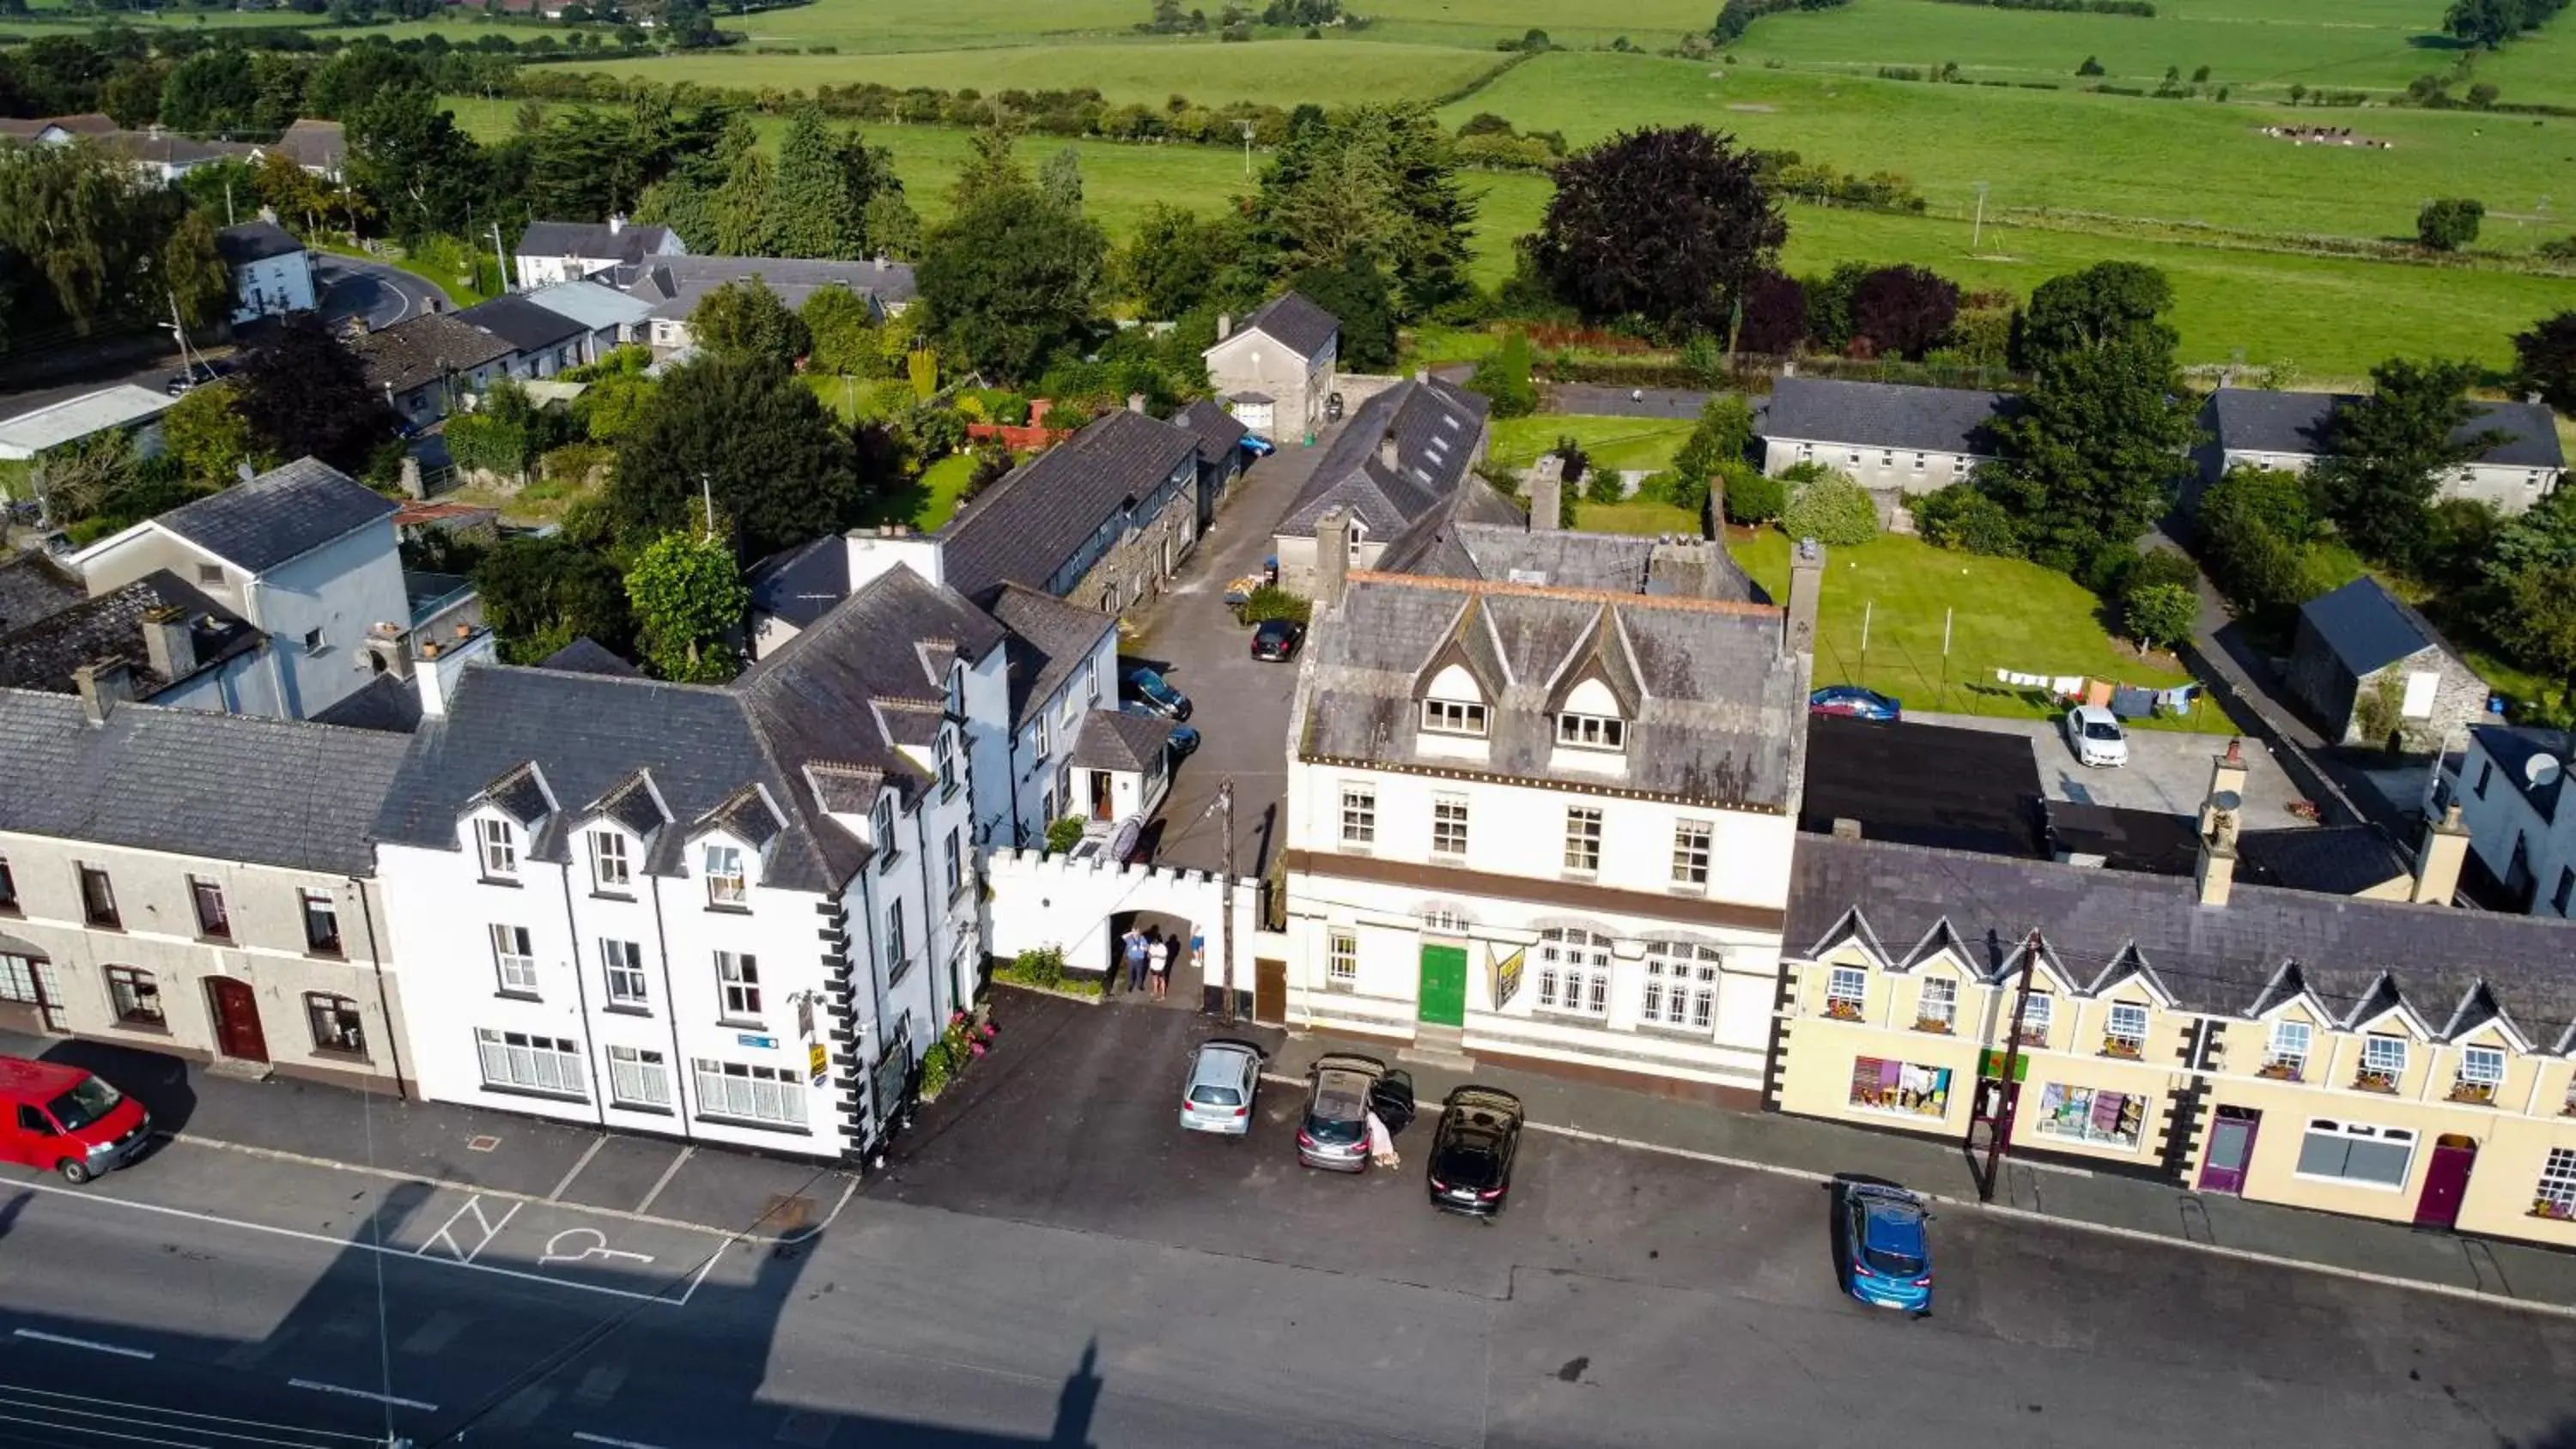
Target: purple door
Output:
{"points": [[2446, 1181], [2231, 1146]]}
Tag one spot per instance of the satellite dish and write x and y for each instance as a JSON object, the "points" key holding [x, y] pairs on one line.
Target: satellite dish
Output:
{"points": [[2227, 800], [2541, 771]]}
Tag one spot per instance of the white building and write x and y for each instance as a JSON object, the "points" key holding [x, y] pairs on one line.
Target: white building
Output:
{"points": [[567, 251], [137, 410], [272, 271], [304, 553], [1542, 798], [2511, 788], [1897, 441], [2520, 465], [734, 914], [1276, 369]]}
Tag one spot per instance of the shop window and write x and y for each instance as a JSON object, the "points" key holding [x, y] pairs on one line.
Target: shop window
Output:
{"points": [[1574, 972], [2356, 1153], [2555, 1197], [1846, 993], [2082, 1114], [1888, 1086], [1681, 985]]}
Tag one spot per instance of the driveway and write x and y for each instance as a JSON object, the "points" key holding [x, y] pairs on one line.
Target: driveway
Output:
{"points": [[2167, 771], [381, 293]]}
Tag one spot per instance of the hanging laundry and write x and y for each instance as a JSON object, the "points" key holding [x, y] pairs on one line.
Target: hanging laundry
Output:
{"points": [[2130, 702], [2066, 686]]}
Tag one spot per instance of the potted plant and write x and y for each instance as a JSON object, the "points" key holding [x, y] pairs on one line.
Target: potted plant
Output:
{"points": [[2475, 1092], [2371, 1080], [2120, 1047], [1841, 1010], [2279, 1071], [1940, 1027]]}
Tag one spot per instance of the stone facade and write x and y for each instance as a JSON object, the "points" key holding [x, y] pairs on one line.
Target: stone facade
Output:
{"points": [[2352, 709], [1158, 536]]}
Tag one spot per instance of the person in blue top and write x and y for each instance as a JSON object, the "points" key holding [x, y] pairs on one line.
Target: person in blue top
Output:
{"points": [[1134, 941]]}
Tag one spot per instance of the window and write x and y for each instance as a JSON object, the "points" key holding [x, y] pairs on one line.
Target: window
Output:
{"points": [[1443, 921], [2352, 1152], [8, 888], [1583, 840], [725, 886], [312, 641], [751, 1094], [1091, 675], [321, 923], [2085, 1115], [1449, 825], [516, 1061], [609, 870], [2037, 1014], [2126, 1033], [2486, 772], [210, 574], [1359, 815], [2481, 1072], [336, 1022], [1681, 985], [638, 1077], [2287, 1054], [18, 980], [895, 957], [1342, 957], [2557, 898], [1591, 732], [740, 977], [1691, 853], [881, 821], [1574, 972], [622, 963], [1878, 1085], [1937, 1007], [955, 862], [1806, 452], [134, 996], [1919, 461], [500, 851], [1846, 992], [1453, 717], [516, 961], [2383, 1061], [1038, 736], [2555, 1197], [98, 898], [944, 751], [211, 917]]}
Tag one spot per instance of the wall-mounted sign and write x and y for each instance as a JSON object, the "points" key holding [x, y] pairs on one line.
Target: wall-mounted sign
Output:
{"points": [[765, 1043]]}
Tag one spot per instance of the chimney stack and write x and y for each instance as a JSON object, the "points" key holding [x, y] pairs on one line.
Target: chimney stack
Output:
{"points": [[167, 645], [1386, 454], [2439, 858], [102, 687], [1224, 325], [439, 669], [616, 223], [1547, 494], [2217, 871], [1806, 593], [1422, 374], [1332, 557], [2226, 777]]}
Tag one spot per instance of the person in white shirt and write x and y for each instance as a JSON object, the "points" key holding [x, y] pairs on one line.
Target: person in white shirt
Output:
{"points": [[1158, 958]]}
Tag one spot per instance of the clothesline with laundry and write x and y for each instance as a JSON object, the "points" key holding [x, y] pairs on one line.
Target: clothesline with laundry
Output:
{"points": [[2126, 701]]}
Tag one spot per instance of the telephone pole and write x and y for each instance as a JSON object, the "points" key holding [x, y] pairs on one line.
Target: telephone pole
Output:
{"points": [[1998, 1136], [1977, 231], [1223, 808]]}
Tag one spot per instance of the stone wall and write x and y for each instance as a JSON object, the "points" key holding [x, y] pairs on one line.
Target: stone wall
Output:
{"points": [[1138, 563]]}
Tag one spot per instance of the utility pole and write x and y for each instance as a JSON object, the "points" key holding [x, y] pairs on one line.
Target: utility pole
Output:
{"points": [[501, 259], [1979, 229], [1999, 1135], [1247, 148], [707, 501], [1223, 808]]}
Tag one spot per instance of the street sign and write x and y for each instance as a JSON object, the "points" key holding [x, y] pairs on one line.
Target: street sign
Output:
{"points": [[1990, 1063], [818, 1062], [765, 1043]]}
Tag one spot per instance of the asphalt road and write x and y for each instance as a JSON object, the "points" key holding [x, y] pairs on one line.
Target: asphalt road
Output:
{"points": [[384, 295]]}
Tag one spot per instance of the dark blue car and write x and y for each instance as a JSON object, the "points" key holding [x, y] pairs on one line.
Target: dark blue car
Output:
{"points": [[1157, 694], [1887, 1257], [1852, 700]]}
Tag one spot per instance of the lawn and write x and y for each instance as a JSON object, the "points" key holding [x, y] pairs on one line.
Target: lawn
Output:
{"points": [[1637, 516], [1610, 442], [927, 501], [2006, 614]]}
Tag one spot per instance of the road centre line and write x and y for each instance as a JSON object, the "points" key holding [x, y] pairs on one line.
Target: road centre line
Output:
{"points": [[92, 1345], [596, 1143], [348, 1393]]}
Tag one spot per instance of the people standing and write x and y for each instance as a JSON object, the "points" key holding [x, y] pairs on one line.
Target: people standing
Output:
{"points": [[1159, 954], [1134, 941]]}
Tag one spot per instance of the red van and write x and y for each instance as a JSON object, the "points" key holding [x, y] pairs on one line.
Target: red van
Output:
{"points": [[67, 1120]]}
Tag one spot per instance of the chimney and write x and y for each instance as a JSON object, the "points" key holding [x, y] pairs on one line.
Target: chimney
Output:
{"points": [[1224, 325], [1332, 557], [102, 687], [1386, 456], [1422, 374], [2226, 777], [2438, 860], [167, 645], [1846, 828], [616, 223], [1806, 592], [1135, 402], [2217, 871], [1546, 494], [1038, 408], [441, 667]]}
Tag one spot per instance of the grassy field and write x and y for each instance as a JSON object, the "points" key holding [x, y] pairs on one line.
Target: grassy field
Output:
{"points": [[2005, 614], [1637, 516], [1609, 442]]}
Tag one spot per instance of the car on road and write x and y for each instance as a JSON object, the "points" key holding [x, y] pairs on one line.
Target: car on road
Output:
{"points": [[1156, 693], [1342, 1090], [1259, 446], [60, 1118], [2095, 735], [1856, 702], [1277, 639], [1887, 1256], [1224, 1077], [1471, 1154], [197, 374]]}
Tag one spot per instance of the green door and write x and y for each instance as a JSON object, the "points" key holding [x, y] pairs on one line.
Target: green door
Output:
{"points": [[1444, 985]]}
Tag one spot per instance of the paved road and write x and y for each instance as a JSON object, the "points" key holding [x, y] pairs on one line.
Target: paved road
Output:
{"points": [[384, 295]]}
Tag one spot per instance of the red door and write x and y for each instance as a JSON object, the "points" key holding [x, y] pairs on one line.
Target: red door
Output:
{"points": [[2446, 1182], [237, 1030], [2231, 1147]]}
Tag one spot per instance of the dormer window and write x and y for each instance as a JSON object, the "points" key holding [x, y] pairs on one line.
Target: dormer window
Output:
{"points": [[1453, 717], [500, 848], [1591, 732], [726, 885], [609, 869]]}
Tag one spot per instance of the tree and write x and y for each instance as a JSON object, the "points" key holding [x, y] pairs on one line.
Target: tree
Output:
{"points": [[540, 594], [842, 329], [738, 212], [2545, 360], [1060, 181], [745, 320], [73, 223], [811, 210], [1376, 182], [294, 193], [2386, 455], [1775, 316], [991, 169], [407, 156], [1362, 298], [193, 273], [1010, 284], [1829, 306], [206, 434], [751, 436], [1827, 506], [2160, 615], [1505, 377], [1172, 263], [1667, 226], [2449, 223], [210, 92], [304, 394], [2107, 303], [1904, 310], [1718, 444], [2487, 23], [689, 600], [893, 229]]}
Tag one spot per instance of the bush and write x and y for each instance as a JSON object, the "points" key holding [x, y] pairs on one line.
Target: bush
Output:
{"points": [[1569, 451], [1064, 835], [2449, 223], [1506, 378], [1967, 519], [2092, 66], [1828, 507], [1273, 602], [1752, 496], [1706, 359], [2159, 566], [2160, 614], [1606, 486]]}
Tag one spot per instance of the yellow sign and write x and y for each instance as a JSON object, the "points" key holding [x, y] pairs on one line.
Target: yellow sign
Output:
{"points": [[817, 1062], [1506, 973]]}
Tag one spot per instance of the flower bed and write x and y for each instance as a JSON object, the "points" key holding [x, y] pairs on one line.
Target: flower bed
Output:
{"points": [[965, 1039]]}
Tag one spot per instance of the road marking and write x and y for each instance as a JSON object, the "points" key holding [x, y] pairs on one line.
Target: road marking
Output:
{"points": [[490, 1229], [348, 1393], [596, 1143], [673, 1171], [589, 1438], [92, 1345], [598, 1248]]}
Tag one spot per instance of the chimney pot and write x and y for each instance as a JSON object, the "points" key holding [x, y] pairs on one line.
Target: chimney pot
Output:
{"points": [[1224, 325], [1386, 454], [1135, 402], [464, 631]]}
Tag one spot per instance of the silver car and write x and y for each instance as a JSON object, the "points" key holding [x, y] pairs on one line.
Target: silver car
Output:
{"points": [[1224, 1075], [1335, 1134]]}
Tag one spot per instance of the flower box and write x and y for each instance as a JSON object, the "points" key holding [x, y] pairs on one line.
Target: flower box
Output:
{"points": [[2555, 1212], [1843, 1010], [2279, 1071], [1938, 1027], [2033, 1038], [2120, 1050], [2375, 1082], [2478, 1093]]}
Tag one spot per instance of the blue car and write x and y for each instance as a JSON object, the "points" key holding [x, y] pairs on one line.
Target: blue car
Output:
{"points": [[1887, 1260], [1858, 703], [1259, 446], [1157, 694]]}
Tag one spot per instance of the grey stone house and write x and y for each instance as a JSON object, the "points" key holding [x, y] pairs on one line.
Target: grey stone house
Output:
{"points": [[1898, 442], [1221, 457], [2366, 666], [1275, 370], [1406, 455], [2292, 430], [1101, 519]]}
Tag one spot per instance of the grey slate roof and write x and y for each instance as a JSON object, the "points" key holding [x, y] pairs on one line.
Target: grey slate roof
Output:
{"points": [[2257, 420], [591, 302], [318, 145], [590, 240], [1113, 739], [1298, 324], [1512, 552], [1049, 640], [2366, 626], [801, 584], [382, 703], [254, 241], [2260, 948], [33, 586], [281, 514], [221, 786], [1435, 425], [521, 323], [1885, 415], [1219, 432], [586, 655], [673, 286], [2335, 860], [42, 653], [2513, 748], [1023, 528], [418, 349]]}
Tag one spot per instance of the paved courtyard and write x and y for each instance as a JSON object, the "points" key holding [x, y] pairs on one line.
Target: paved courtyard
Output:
{"points": [[2167, 770]]}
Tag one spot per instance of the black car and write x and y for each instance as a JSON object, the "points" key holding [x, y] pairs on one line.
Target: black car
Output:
{"points": [[1472, 1152], [196, 374], [1278, 639]]}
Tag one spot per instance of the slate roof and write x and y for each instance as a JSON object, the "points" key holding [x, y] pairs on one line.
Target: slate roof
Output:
{"points": [[42, 653], [316, 145], [673, 286], [2335, 860], [254, 241], [2366, 627], [1435, 425], [1716, 713], [1113, 739], [2258, 420], [1219, 432], [521, 323], [222, 786], [1885, 415], [1512, 552], [590, 240], [281, 514], [2513, 748], [591, 302], [1049, 640], [2263, 947], [801, 584], [1296, 323], [586, 655], [1923, 784], [26, 434], [166, 148], [1023, 528], [33, 586], [418, 349], [382, 703]]}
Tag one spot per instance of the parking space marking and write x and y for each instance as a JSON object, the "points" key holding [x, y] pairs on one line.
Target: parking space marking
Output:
{"points": [[596, 1143], [597, 1247], [396, 1400], [664, 1180], [91, 1344], [586, 1437], [446, 1231]]}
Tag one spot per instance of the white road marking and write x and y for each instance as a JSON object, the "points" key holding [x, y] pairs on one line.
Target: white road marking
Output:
{"points": [[589, 1438], [92, 1345], [490, 1229], [396, 1400], [596, 1248], [596, 1143], [83, 1406], [673, 1171]]}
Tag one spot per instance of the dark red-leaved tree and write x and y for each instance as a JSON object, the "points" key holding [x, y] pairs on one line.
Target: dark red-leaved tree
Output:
{"points": [[1775, 316], [1903, 310], [303, 393], [1664, 227]]}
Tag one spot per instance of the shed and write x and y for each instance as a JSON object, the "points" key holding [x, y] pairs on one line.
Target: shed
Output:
{"points": [[124, 406], [2368, 668]]}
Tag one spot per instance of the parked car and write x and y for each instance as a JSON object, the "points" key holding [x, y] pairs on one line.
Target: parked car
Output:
{"points": [[1278, 639], [59, 1118], [1472, 1152], [1224, 1077], [1259, 446], [1342, 1089], [1852, 700], [197, 373], [1332, 407], [2095, 735], [1156, 693], [1887, 1257], [1184, 740]]}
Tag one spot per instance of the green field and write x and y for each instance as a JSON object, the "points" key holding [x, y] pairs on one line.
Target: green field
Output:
{"points": [[1609, 442]]}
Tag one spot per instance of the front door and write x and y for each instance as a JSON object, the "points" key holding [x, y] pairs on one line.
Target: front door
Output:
{"points": [[1444, 985], [1269, 990], [2446, 1181], [237, 1031], [2231, 1146], [1101, 802]]}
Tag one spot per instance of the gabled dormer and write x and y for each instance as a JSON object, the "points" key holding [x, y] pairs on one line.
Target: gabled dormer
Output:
{"points": [[1593, 701], [2394, 1040], [728, 847], [618, 831], [2290, 1016], [1458, 691], [501, 822]]}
